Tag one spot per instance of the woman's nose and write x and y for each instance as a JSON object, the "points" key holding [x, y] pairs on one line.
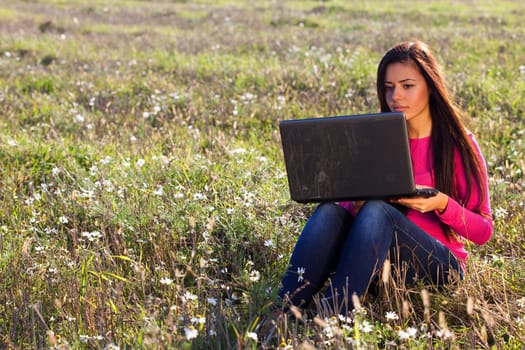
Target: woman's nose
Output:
{"points": [[395, 94]]}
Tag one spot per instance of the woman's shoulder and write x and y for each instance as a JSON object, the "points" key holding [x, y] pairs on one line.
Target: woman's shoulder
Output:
{"points": [[469, 133], [474, 147], [472, 138]]}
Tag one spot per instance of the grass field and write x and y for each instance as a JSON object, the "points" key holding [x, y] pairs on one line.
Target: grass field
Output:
{"points": [[143, 198]]}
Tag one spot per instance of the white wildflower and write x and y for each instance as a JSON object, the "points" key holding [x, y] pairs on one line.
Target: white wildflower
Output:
{"points": [[140, 163], [93, 170], [190, 332], [248, 96], [159, 191], [255, 276], [166, 281], [300, 273], [199, 196], [269, 243], [252, 336], [412, 332], [444, 333], [92, 236], [500, 213], [366, 327], [108, 186], [409, 333], [87, 194], [198, 320], [391, 315], [79, 118], [345, 319], [328, 332], [190, 296], [63, 220], [521, 302], [237, 151]]}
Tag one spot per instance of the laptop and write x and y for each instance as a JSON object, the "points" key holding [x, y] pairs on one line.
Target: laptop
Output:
{"points": [[352, 157]]}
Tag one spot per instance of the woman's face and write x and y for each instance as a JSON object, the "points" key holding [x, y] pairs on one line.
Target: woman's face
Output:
{"points": [[407, 91]]}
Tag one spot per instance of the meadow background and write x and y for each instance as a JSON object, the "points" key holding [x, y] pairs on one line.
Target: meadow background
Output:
{"points": [[143, 196]]}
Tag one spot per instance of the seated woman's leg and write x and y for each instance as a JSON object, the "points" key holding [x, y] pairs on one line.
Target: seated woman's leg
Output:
{"points": [[378, 229], [316, 253], [417, 256]]}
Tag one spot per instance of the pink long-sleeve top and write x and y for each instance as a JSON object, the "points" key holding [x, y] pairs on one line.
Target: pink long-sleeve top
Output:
{"points": [[476, 226]]}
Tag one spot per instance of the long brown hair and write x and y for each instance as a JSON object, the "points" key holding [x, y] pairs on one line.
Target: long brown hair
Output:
{"points": [[448, 131]]}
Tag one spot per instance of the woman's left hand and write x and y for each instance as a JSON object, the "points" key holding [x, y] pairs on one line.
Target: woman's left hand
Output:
{"points": [[424, 205]]}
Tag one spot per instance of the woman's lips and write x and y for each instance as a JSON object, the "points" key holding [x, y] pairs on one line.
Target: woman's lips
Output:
{"points": [[399, 109]]}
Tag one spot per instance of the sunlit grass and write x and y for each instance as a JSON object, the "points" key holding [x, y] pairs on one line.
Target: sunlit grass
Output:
{"points": [[143, 198]]}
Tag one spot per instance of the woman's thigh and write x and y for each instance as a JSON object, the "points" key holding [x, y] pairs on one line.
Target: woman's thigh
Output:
{"points": [[416, 255]]}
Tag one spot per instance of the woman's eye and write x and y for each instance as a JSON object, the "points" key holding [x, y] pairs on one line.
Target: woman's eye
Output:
{"points": [[407, 86]]}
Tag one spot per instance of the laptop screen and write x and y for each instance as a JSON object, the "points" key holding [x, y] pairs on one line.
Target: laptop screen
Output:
{"points": [[347, 157]]}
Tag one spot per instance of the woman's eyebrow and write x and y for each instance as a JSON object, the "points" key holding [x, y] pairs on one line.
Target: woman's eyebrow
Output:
{"points": [[401, 81]]}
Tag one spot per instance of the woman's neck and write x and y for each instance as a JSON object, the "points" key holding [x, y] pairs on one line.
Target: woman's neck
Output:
{"points": [[419, 129]]}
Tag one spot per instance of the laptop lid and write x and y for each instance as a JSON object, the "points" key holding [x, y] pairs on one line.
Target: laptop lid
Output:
{"points": [[347, 157]]}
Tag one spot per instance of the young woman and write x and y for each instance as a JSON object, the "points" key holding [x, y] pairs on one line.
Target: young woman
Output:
{"points": [[348, 243]]}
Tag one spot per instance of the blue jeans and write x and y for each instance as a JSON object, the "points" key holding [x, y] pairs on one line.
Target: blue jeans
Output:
{"points": [[351, 251]]}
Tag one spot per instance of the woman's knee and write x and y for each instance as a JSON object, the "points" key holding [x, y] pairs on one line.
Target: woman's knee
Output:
{"points": [[330, 208], [376, 210], [331, 214], [375, 221], [329, 222]]}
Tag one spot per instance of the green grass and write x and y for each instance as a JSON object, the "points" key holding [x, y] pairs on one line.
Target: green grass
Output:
{"points": [[143, 196]]}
